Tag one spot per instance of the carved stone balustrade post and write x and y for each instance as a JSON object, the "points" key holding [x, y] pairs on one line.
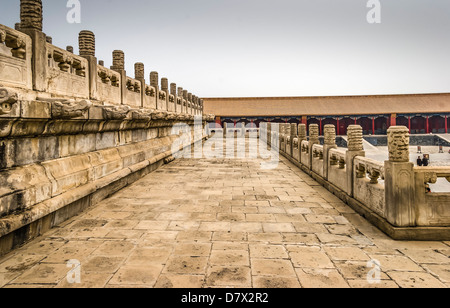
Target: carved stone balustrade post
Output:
{"points": [[328, 144], [180, 95], [119, 66], [139, 74], [86, 43], [185, 97], [173, 91], [313, 139], [355, 148], [165, 88], [399, 179], [31, 18], [154, 82]]}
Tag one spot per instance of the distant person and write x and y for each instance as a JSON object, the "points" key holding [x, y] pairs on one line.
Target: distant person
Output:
{"points": [[419, 162], [425, 161], [427, 188]]}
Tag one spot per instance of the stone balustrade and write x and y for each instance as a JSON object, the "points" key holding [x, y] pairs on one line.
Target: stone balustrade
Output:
{"points": [[391, 194]]}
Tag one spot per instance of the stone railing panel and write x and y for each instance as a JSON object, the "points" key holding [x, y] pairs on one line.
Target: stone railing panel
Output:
{"points": [[133, 96], [304, 154], [432, 208], [149, 98], [337, 168], [161, 101], [15, 59], [67, 74], [108, 86], [368, 181], [317, 159]]}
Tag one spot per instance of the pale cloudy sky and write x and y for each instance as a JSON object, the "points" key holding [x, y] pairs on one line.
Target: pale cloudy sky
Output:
{"points": [[241, 48]]}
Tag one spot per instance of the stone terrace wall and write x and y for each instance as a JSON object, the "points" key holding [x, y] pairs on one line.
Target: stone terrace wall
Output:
{"points": [[73, 132], [392, 194]]}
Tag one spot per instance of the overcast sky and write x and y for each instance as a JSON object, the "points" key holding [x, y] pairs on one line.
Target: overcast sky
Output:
{"points": [[244, 48]]}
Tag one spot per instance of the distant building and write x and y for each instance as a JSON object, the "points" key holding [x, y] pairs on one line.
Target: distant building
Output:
{"points": [[421, 113]]}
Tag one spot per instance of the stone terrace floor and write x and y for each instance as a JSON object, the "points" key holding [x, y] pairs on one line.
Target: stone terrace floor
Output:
{"points": [[224, 223]]}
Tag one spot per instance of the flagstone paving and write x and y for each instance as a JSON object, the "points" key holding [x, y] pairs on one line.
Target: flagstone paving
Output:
{"points": [[224, 223]]}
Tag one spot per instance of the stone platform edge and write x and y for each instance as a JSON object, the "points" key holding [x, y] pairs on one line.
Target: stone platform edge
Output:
{"points": [[18, 229], [396, 233]]}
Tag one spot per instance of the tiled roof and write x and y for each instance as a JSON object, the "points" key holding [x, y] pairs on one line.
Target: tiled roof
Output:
{"points": [[330, 105]]}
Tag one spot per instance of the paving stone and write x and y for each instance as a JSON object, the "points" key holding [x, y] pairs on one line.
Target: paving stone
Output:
{"points": [[383, 284], [43, 274], [346, 253], [166, 281], [397, 263], [311, 257], [228, 276], [320, 278], [272, 267], [192, 249], [230, 258], [186, 265], [415, 280], [278, 227], [145, 255], [137, 275], [274, 237], [271, 282]]}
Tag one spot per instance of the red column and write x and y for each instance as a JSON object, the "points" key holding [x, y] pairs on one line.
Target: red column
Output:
{"points": [[428, 125], [356, 122], [409, 124], [393, 120], [446, 125], [218, 122], [373, 125], [338, 128], [320, 127]]}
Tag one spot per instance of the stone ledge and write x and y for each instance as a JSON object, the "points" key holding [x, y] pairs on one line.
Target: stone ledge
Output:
{"points": [[396, 233], [17, 229]]}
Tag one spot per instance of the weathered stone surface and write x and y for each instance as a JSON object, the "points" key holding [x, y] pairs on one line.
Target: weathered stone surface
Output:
{"points": [[7, 99], [31, 14], [86, 42], [70, 109], [398, 144], [355, 140]]}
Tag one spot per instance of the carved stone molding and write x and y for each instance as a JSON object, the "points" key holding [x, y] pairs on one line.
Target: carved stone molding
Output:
{"points": [[116, 113], [159, 115], [7, 99], [430, 177], [70, 109], [141, 115], [171, 116]]}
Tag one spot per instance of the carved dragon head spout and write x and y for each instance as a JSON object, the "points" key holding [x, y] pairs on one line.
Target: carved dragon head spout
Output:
{"points": [[7, 99]]}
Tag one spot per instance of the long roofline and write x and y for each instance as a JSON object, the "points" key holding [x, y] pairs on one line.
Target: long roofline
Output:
{"points": [[321, 96]]}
